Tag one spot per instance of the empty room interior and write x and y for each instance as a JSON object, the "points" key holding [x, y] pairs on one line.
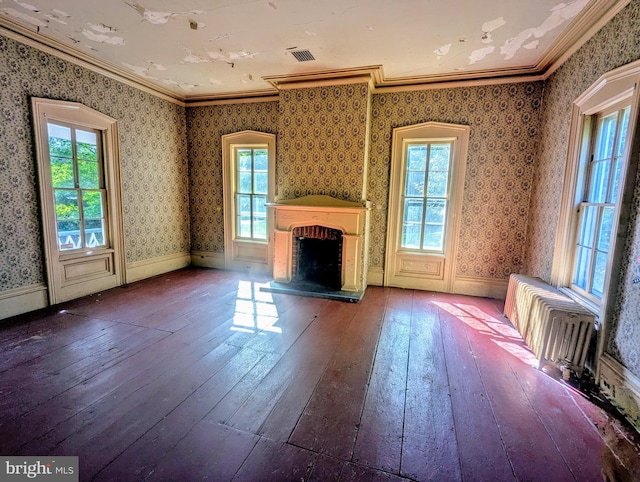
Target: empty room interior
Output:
{"points": [[328, 240]]}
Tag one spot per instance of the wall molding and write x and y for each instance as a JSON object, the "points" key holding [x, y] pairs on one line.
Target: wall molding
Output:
{"points": [[208, 259], [485, 287], [375, 276], [620, 386], [148, 268], [22, 300]]}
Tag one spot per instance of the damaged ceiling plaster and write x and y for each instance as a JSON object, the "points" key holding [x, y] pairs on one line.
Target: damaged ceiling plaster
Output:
{"points": [[199, 48]]}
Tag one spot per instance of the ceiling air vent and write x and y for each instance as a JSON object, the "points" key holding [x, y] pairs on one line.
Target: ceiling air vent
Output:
{"points": [[302, 55]]}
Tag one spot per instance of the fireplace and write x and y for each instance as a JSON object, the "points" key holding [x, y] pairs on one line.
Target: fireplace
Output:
{"points": [[328, 237]]}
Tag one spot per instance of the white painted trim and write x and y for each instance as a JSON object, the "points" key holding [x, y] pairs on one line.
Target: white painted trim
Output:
{"points": [[207, 259], [22, 300], [485, 287], [621, 386], [375, 277], [148, 268], [231, 141], [458, 135], [79, 115]]}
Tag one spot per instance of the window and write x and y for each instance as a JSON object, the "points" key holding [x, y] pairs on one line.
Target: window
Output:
{"points": [[248, 168], [426, 195], [78, 186], [597, 193], [80, 198], [598, 208], [428, 162], [252, 188]]}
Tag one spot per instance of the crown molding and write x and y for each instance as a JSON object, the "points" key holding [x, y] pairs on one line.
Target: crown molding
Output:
{"points": [[35, 38], [595, 15], [370, 74], [598, 13]]}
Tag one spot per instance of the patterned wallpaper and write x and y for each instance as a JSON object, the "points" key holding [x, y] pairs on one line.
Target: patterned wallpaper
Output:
{"points": [[502, 149], [614, 45], [153, 160], [321, 141], [205, 127]]}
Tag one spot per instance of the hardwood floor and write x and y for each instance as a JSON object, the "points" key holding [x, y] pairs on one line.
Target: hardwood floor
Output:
{"points": [[197, 374]]}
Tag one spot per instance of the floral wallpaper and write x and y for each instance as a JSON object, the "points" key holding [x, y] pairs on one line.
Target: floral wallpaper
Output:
{"points": [[322, 135], [206, 126], [153, 160], [616, 44], [502, 149]]}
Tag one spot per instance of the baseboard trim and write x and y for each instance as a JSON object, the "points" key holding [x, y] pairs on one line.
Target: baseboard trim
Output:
{"points": [[22, 300], [148, 268], [375, 277], [621, 387], [485, 287], [208, 259]]}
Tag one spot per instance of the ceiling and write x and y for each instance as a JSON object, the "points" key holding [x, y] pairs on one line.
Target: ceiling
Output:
{"points": [[199, 49]]}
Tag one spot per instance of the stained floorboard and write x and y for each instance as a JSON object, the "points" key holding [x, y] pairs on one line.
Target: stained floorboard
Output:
{"points": [[200, 375]]}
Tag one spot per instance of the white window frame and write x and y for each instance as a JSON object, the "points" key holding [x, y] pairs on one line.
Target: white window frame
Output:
{"points": [[425, 269], [75, 273], [244, 253], [610, 90]]}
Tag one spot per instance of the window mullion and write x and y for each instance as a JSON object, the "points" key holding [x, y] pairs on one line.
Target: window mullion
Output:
{"points": [[425, 199]]}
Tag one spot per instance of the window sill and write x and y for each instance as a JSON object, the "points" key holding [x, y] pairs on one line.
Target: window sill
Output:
{"points": [[583, 301]]}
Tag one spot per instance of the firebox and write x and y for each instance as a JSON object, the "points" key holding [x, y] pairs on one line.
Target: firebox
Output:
{"points": [[317, 256]]}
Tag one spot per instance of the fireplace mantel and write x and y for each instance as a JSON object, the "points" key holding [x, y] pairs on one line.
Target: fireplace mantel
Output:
{"points": [[351, 218]]}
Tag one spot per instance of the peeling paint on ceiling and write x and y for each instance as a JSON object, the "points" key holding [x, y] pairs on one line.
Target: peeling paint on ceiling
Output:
{"points": [[199, 47]]}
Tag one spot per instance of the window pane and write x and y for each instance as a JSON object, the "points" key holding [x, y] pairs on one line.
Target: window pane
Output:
{"points": [[437, 184], [92, 204], [599, 182], [606, 224], [260, 160], [412, 223], [244, 160], [613, 195], [439, 157], [59, 141], [435, 211], [94, 232], [89, 174], [622, 136], [583, 257], [605, 138], [587, 225], [69, 235], [62, 172], [599, 271], [259, 217], [243, 226], [415, 183], [244, 182], [417, 158], [86, 145], [66, 204], [261, 183], [433, 237]]}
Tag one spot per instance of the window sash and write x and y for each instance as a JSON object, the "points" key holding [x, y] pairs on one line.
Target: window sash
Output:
{"points": [[596, 223], [77, 179], [251, 190], [425, 196]]}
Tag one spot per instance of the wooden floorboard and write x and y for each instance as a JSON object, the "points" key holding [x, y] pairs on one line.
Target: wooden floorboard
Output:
{"points": [[200, 375]]}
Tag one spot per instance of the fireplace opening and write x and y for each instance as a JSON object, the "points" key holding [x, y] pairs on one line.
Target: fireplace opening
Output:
{"points": [[317, 257]]}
